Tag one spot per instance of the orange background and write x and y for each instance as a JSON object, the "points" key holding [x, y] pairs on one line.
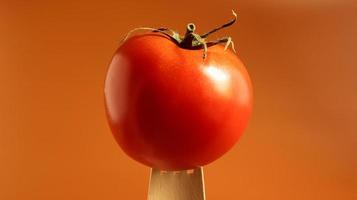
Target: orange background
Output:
{"points": [[302, 139]]}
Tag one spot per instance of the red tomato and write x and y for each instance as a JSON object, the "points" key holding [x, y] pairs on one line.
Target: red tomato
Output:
{"points": [[170, 109]]}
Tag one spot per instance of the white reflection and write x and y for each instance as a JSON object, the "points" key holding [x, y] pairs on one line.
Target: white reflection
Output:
{"points": [[220, 78], [116, 87]]}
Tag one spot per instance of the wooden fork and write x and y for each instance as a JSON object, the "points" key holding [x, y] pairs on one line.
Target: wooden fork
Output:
{"points": [[177, 185]]}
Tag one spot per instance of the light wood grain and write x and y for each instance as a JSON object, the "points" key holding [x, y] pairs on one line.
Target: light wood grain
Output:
{"points": [[177, 185]]}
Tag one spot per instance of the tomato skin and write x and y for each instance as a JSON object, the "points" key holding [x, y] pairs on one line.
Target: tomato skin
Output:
{"points": [[170, 109]]}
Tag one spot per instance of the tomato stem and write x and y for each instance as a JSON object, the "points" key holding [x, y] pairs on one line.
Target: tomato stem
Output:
{"points": [[223, 26], [192, 40]]}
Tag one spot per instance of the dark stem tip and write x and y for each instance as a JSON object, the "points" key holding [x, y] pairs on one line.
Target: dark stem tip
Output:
{"points": [[191, 27]]}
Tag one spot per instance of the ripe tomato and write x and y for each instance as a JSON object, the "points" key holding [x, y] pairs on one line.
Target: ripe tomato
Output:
{"points": [[170, 109]]}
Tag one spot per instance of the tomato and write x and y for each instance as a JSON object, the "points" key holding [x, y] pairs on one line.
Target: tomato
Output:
{"points": [[170, 109]]}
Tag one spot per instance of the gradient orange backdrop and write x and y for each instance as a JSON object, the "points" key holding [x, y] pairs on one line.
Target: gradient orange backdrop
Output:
{"points": [[302, 139]]}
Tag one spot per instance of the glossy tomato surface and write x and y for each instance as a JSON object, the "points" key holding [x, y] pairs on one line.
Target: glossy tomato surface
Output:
{"points": [[170, 109]]}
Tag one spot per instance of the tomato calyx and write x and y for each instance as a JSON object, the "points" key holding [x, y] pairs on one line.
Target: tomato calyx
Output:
{"points": [[192, 40]]}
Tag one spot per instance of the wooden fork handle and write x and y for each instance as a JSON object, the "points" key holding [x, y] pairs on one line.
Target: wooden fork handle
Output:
{"points": [[177, 185]]}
